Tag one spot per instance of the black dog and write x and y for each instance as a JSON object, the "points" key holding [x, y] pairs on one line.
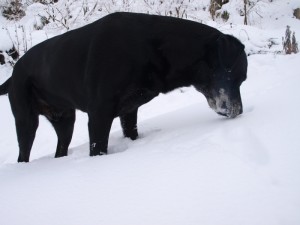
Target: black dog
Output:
{"points": [[114, 65]]}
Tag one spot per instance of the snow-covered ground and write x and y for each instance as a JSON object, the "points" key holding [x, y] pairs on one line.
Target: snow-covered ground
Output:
{"points": [[190, 166]]}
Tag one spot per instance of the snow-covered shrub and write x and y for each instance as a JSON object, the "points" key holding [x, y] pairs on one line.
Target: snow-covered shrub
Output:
{"points": [[174, 8], [66, 13], [177, 9], [289, 42], [248, 12], [294, 44], [249, 7], [60, 15], [225, 15], [39, 25], [214, 6], [14, 10]]}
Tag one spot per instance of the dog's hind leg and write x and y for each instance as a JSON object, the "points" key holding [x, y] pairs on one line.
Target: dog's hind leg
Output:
{"points": [[64, 126], [26, 130], [26, 119], [128, 123]]}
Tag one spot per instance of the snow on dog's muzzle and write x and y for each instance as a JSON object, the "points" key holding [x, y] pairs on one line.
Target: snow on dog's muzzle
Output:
{"points": [[225, 105]]}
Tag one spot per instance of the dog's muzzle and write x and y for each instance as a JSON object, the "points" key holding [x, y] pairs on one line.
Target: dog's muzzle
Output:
{"points": [[225, 106]]}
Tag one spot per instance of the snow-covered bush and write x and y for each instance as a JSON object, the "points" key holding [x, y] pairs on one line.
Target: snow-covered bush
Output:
{"points": [[65, 14], [14, 10], [214, 6], [225, 15], [289, 42]]}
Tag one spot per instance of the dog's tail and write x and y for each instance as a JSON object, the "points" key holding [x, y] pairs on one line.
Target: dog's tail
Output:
{"points": [[5, 87]]}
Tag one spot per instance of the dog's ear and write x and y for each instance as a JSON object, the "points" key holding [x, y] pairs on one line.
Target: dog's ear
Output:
{"points": [[229, 49]]}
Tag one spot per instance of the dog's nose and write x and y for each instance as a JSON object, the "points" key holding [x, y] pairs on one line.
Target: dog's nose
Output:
{"points": [[223, 105]]}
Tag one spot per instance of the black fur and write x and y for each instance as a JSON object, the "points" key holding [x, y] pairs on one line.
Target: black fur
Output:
{"points": [[5, 87], [116, 64]]}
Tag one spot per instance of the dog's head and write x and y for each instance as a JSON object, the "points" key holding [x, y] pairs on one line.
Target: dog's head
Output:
{"points": [[227, 64]]}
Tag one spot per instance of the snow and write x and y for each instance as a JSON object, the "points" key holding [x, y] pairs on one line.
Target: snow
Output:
{"points": [[189, 166], [5, 42]]}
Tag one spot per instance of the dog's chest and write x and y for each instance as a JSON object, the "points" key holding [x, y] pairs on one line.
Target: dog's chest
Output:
{"points": [[132, 99]]}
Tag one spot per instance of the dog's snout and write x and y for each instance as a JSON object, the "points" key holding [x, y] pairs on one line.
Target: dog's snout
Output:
{"points": [[223, 105]]}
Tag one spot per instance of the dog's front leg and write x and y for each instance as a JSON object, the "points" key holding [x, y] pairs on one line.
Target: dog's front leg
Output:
{"points": [[100, 121]]}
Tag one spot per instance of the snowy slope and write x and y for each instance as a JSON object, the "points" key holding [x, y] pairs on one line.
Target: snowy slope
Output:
{"points": [[190, 166]]}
